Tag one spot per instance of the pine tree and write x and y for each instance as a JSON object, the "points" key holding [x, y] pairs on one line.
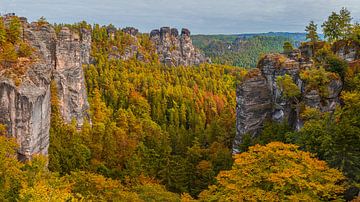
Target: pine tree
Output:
{"points": [[311, 34], [338, 26]]}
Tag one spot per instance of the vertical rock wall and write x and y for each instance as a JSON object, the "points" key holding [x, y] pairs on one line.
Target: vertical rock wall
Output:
{"points": [[71, 53], [26, 108]]}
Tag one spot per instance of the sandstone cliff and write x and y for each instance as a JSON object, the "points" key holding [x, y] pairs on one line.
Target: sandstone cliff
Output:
{"points": [[25, 107], [71, 53], [259, 98], [176, 49]]}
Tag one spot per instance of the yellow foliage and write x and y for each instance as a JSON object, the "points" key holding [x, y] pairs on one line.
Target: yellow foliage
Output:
{"points": [[276, 172]]}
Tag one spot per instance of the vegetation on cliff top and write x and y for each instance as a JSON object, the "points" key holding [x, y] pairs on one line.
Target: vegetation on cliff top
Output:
{"points": [[14, 51]]}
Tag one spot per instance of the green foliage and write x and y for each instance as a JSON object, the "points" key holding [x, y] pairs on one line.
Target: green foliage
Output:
{"points": [[276, 172], [317, 79], [312, 35], [335, 138], [311, 32], [355, 33], [337, 65], [287, 47], [272, 131], [332, 63], [237, 51], [289, 88], [337, 26], [67, 150]]}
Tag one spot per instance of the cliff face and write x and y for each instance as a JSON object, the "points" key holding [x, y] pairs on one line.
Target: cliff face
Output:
{"points": [[25, 108], [260, 99], [71, 53], [253, 105], [174, 49]]}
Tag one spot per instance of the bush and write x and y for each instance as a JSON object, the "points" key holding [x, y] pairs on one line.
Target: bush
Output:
{"points": [[25, 50], [8, 56]]}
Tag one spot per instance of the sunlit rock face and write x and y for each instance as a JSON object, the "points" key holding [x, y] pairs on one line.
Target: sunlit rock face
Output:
{"points": [[25, 108], [72, 51], [259, 98], [176, 49]]}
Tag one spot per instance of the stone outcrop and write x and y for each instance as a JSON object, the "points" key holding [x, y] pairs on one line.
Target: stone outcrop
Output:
{"points": [[253, 106], [174, 49], [25, 108], [259, 98], [72, 51], [348, 50]]}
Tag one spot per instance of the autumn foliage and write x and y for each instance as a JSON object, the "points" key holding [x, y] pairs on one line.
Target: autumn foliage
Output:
{"points": [[276, 172]]}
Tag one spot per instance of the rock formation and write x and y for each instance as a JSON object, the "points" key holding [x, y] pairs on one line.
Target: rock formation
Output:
{"points": [[25, 108], [259, 98], [174, 49], [348, 50], [71, 53]]}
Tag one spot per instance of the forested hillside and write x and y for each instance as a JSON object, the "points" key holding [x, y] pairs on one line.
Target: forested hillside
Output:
{"points": [[244, 50]]}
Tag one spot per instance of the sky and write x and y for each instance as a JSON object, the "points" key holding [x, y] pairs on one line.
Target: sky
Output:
{"points": [[200, 16]]}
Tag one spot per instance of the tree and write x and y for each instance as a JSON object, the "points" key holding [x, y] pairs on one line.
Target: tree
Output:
{"points": [[311, 30], [287, 47], [276, 172], [14, 30], [10, 170], [345, 22], [337, 26], [355, 33], [41, 184], [311, 34]]}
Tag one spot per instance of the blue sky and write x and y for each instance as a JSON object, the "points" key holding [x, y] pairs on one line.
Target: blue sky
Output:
{"points": [[200, 16]]}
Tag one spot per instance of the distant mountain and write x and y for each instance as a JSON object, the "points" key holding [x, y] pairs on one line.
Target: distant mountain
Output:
{"points": [[245, 49]]}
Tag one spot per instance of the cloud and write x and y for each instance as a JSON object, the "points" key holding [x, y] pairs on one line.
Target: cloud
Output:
{"points": [[201, 16]]}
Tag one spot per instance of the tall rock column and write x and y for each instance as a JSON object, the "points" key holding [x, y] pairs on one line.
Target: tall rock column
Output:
{"points": [[72, 51], [174, 49], [25, 108], [253, 106]]}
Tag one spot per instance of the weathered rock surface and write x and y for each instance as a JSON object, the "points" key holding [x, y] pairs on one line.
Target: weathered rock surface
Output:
{"points": [[25, 109], [174, 49], [349, 51], [71, 53], [253, 106], [260, 99]]}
